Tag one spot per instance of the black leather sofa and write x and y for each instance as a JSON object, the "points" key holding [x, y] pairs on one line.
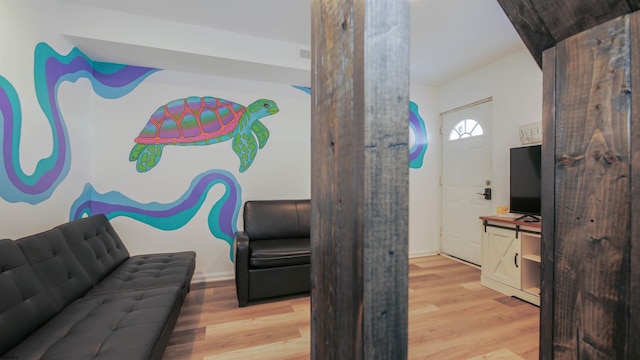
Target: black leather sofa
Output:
{"points": [[74, 292], [273, 254]]}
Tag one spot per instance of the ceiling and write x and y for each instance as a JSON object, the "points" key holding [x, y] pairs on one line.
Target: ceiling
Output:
{"points": [[448, 37]]}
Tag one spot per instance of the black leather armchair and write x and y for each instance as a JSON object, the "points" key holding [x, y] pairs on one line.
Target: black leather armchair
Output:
{"points": [[272, 254]]}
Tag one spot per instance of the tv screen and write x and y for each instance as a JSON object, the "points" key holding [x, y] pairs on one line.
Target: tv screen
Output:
{"points": [[526, 189]]}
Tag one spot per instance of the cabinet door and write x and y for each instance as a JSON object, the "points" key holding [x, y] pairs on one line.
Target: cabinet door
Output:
{"points": [[501, 251]]}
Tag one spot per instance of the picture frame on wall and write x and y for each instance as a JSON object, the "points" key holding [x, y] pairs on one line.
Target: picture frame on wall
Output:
{"points": [[531, 133]]}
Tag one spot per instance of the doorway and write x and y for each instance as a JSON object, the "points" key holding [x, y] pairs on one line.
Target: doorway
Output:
{"points": [[467, 172]]}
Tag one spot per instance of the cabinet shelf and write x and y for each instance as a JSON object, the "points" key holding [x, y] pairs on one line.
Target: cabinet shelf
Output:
{"points": [[534, 291], [532, 257]]}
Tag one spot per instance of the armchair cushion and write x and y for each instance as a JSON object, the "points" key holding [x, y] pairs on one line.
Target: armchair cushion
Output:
{"points": [[280, 252]]}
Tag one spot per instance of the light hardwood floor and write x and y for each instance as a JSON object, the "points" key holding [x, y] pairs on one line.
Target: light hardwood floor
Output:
{"points": [[451, 316]]}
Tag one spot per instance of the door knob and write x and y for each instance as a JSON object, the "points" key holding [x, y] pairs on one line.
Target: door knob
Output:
{"points": [[486, 193]]}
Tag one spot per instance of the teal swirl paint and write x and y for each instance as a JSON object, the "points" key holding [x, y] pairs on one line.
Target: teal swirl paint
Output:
{"points": [[50, 70], [222, 218]]}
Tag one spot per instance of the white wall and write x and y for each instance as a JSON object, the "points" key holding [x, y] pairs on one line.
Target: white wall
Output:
{"points": [[515, 83], [23, 24], [153, 42], [424, 188]]}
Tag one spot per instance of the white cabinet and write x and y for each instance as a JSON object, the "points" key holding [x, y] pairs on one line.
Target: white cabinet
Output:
{"points": [[511, 257], [500, 253]]}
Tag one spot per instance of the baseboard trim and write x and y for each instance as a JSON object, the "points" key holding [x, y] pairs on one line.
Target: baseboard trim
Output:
{"points": [[199, 279], [422, 254], [460, 260]]}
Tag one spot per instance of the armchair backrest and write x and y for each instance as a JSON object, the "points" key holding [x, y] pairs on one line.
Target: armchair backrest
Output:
{"points": [[277, 219]]}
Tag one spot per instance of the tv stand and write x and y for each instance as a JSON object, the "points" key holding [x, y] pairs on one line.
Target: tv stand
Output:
{"points": [[528, 218], [511, 257]]}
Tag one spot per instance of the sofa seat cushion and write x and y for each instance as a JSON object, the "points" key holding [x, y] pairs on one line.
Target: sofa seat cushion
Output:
{"points": [[117, 326], [279, 252], [150, 271]]}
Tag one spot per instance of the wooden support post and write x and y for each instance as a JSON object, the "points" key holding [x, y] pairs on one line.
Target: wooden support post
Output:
{"points": [[359, 179], [548, 201], [590, 295], [633, 341], [588, 108]]}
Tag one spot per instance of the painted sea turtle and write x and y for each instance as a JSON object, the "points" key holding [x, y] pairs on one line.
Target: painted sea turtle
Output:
{"points": [[203, 121]]}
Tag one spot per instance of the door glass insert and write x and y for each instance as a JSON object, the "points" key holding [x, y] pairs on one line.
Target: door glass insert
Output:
{"points": [[464, 129]]}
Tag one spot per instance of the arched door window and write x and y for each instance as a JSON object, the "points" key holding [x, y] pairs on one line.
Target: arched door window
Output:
{"points": [[464, 129]]}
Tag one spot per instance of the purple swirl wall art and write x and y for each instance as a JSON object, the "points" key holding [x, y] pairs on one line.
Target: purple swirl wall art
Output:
{"points": [[50, 70], [222, 219]]}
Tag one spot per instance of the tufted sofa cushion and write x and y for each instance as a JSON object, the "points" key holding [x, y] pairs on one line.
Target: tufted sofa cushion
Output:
{"points": [[25, 303], [55, 264], [131, 325], [149, 271], [96, 245]]}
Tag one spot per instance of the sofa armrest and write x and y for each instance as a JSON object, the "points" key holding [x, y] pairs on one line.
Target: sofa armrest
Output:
{"points": [[241, 262]]}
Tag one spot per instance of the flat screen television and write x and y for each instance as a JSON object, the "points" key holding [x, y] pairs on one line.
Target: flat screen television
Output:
{"points": [[526, 182]]}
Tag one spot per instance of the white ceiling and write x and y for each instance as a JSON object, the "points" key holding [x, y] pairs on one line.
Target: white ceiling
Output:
{"points": [[448, 37]]}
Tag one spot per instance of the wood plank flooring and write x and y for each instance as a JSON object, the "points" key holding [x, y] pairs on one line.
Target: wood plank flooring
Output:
{"points": [[451, 316]]}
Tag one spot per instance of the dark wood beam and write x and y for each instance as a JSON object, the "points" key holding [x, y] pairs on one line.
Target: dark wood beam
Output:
{"points": [[359, 179], [634, 286], [543, 23], [548, 202], [529, 25], [588, 107], [591, 233]]}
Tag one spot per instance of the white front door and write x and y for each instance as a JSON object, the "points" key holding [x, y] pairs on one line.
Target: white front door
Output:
{"points": [[466, 172]]}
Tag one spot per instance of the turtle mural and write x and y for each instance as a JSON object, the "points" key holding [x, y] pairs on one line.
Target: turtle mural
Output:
{"points": [[203, 121]]}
